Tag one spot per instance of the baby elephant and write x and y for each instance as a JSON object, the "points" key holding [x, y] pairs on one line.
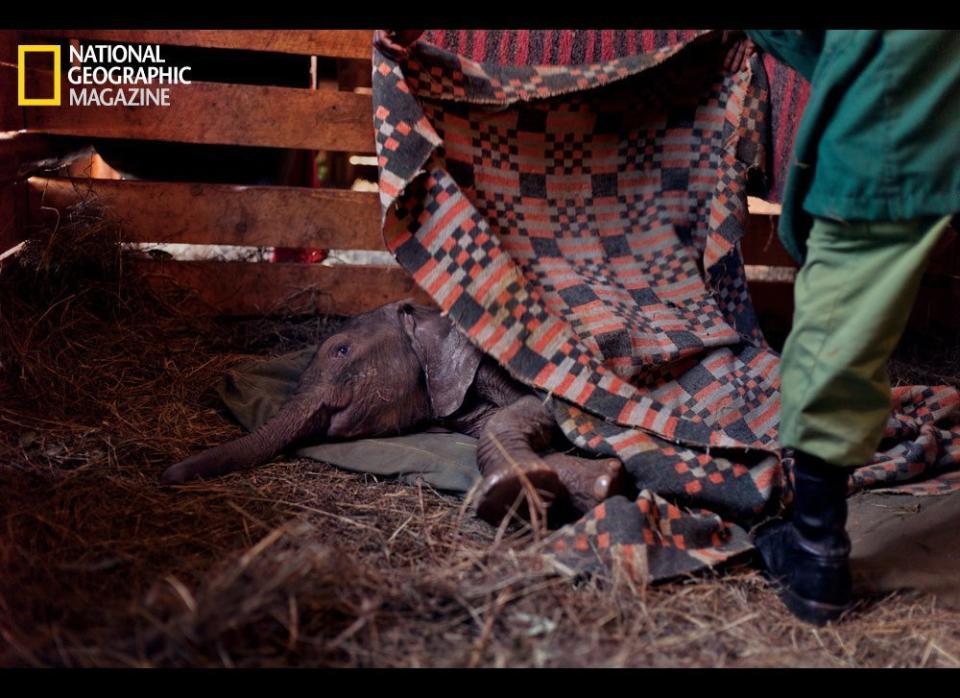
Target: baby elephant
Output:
{"points": [[401, 367]]}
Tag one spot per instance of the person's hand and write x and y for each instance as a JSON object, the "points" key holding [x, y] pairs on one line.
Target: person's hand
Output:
{"points": [[395, 42], [739, 50]]}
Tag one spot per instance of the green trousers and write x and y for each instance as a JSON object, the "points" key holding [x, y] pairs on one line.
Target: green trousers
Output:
{"points": [[852, 296]]}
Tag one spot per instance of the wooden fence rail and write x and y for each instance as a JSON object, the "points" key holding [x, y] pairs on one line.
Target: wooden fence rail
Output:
{"points": [[252, 115], [221, 214], [242, 288], [333, 43]]}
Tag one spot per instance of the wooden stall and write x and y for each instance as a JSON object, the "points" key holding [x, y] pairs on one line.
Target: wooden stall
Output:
{"points": [[314, 118]]}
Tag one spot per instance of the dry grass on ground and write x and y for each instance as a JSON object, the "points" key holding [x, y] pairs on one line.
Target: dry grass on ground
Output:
{"points": [[298, 563]]}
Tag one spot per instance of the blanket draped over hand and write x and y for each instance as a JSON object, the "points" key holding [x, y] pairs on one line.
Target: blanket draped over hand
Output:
{"points": [[580, 224]]}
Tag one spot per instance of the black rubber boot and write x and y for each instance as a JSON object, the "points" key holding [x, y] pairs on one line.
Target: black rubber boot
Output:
{"points": [[809, 555]]}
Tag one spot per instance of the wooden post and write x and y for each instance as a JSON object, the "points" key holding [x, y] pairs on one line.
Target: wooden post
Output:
{"points": [[11, 115], [11, 119]]}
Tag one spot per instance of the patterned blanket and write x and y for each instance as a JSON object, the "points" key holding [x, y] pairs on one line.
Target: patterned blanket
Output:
{"points": [[581, 225], [788, 90]]}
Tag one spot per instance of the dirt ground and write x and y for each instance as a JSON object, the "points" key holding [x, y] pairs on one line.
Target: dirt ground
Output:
{"points": [[299, 563]]}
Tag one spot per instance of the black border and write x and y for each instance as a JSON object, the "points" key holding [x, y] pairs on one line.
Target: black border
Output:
{"points": [[337, 14]]}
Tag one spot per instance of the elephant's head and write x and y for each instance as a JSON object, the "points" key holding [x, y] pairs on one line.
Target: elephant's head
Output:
{"points": [[382, 373]]}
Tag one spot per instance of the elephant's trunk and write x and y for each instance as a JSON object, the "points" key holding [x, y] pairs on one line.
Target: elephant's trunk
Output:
{"points": [[297, 419]]}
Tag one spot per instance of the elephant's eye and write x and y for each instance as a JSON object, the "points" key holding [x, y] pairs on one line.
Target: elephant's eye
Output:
{"points": [[342, 350]]}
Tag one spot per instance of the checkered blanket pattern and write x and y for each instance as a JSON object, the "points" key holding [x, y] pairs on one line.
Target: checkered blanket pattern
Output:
{"points": [[788, 90], [581, 225]]}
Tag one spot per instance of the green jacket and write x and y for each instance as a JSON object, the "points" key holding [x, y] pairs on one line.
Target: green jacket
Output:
{"points": [[880, 137]]}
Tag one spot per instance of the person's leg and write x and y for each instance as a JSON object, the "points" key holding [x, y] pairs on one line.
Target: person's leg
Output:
{"points": [[852, 300], [853, 297]]}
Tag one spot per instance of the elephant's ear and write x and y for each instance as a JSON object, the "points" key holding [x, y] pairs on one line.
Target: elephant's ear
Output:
{"points": [[448, 358]]}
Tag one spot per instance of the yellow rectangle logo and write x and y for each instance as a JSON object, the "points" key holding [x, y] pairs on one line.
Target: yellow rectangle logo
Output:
{"points": [[22, 76]]}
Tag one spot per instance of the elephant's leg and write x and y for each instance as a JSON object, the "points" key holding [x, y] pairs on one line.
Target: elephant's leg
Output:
{"points": [[509, 463], [512, 426], [507, 451], [589, 481]]}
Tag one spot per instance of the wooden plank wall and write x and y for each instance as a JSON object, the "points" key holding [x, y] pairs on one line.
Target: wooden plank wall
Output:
{"points": [[205, 213]]}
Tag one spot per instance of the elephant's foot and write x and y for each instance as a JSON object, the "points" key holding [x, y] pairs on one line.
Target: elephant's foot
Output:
{"points": [[515, 477], [517, 487], [588, 481]]}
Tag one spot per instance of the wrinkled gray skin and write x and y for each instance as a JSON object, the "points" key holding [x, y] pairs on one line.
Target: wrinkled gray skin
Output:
{"points": [[402, 367]]}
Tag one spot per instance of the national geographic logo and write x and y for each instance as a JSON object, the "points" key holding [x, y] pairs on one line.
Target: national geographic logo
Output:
{"points": [[102, 75], [22, 99]]}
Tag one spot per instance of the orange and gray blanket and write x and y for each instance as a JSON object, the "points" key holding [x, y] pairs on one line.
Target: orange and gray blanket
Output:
{"points": [[788, 90], [581, 225]]}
